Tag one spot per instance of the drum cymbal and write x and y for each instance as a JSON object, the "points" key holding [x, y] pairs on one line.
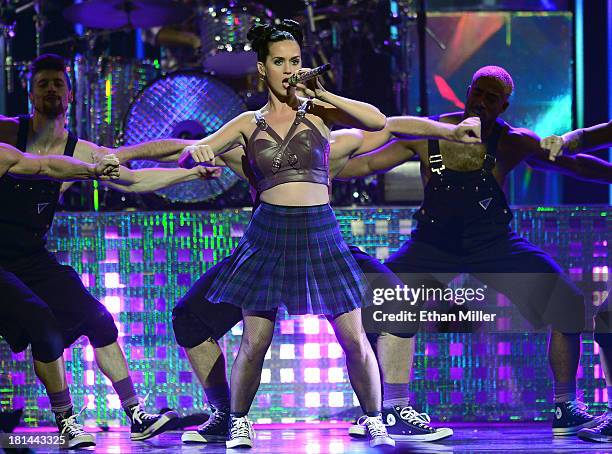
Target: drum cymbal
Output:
{"points": [[112, 14]]}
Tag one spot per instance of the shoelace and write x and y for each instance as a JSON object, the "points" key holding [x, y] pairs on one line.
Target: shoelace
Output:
{"points": [[606, 421], [413, 417], [240, 428], [217, 418], [139, 414], [577, 407], [70, 425], [375, 426]]}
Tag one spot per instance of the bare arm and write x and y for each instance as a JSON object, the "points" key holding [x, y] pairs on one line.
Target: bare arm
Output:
{"points": [[579, 141], [412, 128], [60, 168], [391, 155], [148, 180], [162, 150], [227, 137], [339, 111], [407, 127], [580, 166]]}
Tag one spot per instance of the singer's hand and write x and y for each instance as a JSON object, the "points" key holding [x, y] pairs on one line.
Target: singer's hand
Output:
{"points": [[311, 88], [194, 154], [468, 131]]}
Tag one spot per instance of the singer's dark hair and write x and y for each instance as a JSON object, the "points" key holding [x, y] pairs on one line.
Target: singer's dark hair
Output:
{"points": [[53, 62], [261, 35]]}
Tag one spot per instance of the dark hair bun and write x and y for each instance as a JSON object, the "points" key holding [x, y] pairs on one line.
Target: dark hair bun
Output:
{"points": [[292, 27], [259, 33]]}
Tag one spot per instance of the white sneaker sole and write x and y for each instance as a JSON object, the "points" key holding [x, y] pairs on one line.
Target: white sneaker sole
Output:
{"points": [[440, 434], [193, 436], [82, 441], [357, 431], [156, 428], [380, 443], [240, 442]]}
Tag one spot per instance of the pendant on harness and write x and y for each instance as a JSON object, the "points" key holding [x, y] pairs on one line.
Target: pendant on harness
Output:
{"points": [[41, 206], [485, 203]]}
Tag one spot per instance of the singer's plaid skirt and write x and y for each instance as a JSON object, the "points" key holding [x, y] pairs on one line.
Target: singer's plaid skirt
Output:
{"points": [[291, 256]]}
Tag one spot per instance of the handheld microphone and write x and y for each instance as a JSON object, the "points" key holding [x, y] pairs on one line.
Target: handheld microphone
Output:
{"points": [[303, 77]]}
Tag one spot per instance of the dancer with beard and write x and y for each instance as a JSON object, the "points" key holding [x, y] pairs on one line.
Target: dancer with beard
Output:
{"points": [[28, 209]]}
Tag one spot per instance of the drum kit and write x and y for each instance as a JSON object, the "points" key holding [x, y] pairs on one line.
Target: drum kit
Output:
{"points": [[122, 100]]}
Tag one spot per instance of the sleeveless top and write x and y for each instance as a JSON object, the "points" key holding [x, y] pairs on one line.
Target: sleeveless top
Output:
{"points": [[27, 206], [300, 156]]}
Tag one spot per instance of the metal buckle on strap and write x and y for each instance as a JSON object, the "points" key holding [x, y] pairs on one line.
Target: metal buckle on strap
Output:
{"points": [[438, 170], [435, 163]]}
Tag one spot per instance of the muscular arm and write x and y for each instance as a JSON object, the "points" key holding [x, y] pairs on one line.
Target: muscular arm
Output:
{"points": [[60, 168], [391, 155], [596, 137], [162, 150], [579, 141], [580, 166], [415, 128], [141, 180], [148, 180]]}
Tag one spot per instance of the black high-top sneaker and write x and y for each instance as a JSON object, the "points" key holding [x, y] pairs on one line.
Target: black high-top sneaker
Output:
{"points": [[602, 432], [570, 417], [215, 430], [146, 425], [404, 423], [241, 433], [68, 427]]}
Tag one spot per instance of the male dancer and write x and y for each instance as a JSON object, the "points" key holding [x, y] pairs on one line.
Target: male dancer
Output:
{"points": [[42, 330], [26, 215], [560, 148], [199, 324], [463, 227]]}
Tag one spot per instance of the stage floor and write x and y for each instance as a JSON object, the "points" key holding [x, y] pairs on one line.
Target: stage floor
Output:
{"points": [[468, 438]]}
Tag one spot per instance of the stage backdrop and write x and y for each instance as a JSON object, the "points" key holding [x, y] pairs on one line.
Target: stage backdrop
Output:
{"points": [[140, 264]]}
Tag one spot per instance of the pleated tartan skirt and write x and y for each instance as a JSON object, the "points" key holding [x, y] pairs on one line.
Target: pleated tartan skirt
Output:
{"points": [[293, 257]]}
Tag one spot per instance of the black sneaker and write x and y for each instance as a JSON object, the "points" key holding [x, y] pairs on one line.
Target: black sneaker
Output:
{"points": [[77, 438], [215, 430], [601, 433], [241, 433], [405, 424], [146, 425], [570, 417], [377, 432]]}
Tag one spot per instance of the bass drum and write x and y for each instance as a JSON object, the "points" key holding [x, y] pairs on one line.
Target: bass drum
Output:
{"points": [[187, 105]]}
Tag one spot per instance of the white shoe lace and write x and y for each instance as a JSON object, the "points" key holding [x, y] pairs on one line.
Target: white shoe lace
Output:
{"points": [[375, 426], [241, 427], [577, 407], [138, 414], [72, 427], [413, 417]]}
